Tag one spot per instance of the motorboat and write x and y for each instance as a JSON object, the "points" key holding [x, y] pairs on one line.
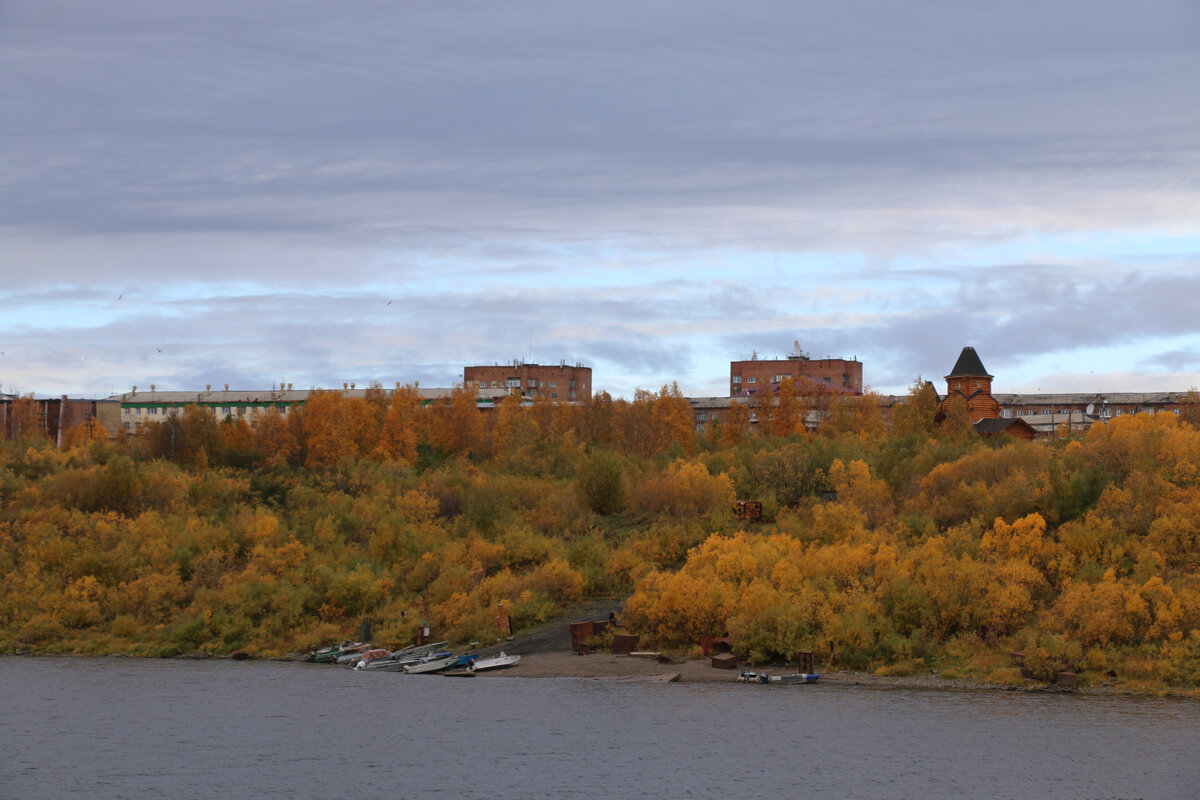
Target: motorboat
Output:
{"points": [[330, 655], [746, 676], [437, 663], [494, 662]]}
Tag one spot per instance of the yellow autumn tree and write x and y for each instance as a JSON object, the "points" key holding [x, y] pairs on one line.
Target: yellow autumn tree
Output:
{"points": [[404, 425], [787, 416], [674, 421]]}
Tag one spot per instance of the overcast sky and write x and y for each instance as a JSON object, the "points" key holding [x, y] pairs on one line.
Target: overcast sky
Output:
{"points": [[251, 192]]}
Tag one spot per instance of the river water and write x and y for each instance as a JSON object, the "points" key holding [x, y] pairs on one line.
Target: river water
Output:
{"points": [[127, 728]]}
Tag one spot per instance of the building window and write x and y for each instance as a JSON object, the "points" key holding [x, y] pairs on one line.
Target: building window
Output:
{"points": [[226, 411], [737, 379], [1120, 412], [553, 384], [571, 394], [701, 416], [572, 383], [554, 395], [532, 383], [752, 379], [513, 383]]}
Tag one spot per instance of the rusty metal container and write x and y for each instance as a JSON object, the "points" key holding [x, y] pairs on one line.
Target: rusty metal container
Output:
{"points": [[503, 623], [748, 509], [581, 632], [625, 643], [724, 661], [804, 660]]}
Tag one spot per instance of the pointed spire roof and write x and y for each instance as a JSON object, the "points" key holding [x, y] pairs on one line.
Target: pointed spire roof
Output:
{"points": [[968, 364]]}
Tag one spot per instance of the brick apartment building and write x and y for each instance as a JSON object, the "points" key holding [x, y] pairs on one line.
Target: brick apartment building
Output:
{"points": [[759, 376], [561, 382]]}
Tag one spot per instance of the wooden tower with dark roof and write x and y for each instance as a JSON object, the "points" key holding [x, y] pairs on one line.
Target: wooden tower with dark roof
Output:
{"points": [[972, 382]]}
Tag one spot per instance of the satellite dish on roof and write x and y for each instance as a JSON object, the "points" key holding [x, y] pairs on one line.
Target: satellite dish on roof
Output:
{"points": [[1091, 408]]}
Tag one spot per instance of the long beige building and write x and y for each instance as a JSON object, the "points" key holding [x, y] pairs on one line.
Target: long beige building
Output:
{"points": [[139, 407]]}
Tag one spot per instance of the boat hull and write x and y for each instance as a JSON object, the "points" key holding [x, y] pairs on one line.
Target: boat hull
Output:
{"points": [[496, 662], [763, 677], [426, 667]]}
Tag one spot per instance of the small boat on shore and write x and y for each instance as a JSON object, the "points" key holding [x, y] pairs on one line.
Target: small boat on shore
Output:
{"points": [[367, 656], [747, 676], [330, 655], [435, 664], [397, 660], [495, 662], [353, 657]]}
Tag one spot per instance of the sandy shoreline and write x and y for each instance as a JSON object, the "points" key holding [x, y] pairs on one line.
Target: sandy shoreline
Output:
{"points": [[546, 653], [610, 666]]}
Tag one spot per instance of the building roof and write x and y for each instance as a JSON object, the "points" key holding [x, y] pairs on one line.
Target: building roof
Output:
{"points": [[219, 397], [989, 426], [968, 364], [1099, 399]]}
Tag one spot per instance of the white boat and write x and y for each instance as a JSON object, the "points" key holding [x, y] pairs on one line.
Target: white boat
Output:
{"points": [[430, 665], [495, 662], [747, 676]]}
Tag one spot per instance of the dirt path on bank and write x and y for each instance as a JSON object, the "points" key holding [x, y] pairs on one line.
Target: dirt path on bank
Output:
{"points": [[546, 653]]}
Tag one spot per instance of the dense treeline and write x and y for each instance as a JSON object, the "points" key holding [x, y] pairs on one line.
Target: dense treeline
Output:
{"points": [[899, 547]]}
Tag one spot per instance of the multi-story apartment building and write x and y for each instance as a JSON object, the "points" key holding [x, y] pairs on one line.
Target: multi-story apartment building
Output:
{"points": [[54, 417], [759, 376], [140, 407], [561, 381]]}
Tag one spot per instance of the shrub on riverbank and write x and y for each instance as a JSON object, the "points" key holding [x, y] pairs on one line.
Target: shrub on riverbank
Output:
{"points": [[914, 548]]}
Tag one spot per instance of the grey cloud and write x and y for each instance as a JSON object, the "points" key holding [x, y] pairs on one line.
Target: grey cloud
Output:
{"points": [[296, 166], [1186, 360]]}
